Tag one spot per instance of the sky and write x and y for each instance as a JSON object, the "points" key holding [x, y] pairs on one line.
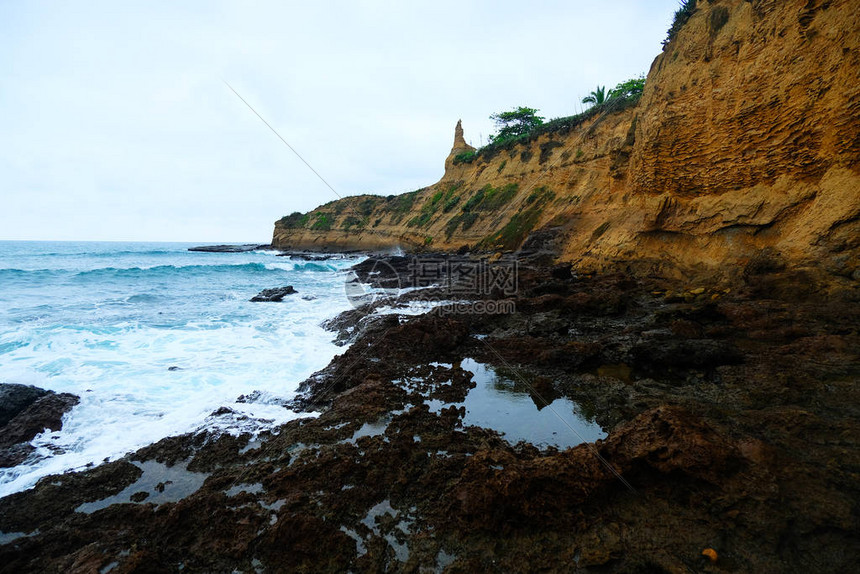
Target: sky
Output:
{"points": [[117, 122]]}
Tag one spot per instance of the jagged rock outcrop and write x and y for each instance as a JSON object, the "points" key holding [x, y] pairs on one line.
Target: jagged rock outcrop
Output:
{"points": [[460, 146], [26, 411], [747, 138], [276, 294]]}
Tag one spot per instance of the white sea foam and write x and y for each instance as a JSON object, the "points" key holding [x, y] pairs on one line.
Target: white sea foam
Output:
{"points": [[417, 307], [112, 339]]}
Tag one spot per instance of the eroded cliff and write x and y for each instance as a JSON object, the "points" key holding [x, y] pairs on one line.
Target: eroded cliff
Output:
{"points": [[744, 146]]}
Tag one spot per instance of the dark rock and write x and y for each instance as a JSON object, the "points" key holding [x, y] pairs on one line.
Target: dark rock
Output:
{"points": [[385, 273], [139, 496], [273, 295], [562, 271], [44, 412], [230, 248], [756, 459], [15, 398], [306, 256], [766, 261], [15, 454], [58, 495], [670, 439], [656, 355]]}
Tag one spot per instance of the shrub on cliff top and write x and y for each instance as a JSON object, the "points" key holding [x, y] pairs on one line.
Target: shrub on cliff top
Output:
{"points": [[294, 220], [560, 126], [323, 222], [682, 14], [629, 89], [465, 157], [352, 221], [367, 205], [515, 123], [596, 97]]}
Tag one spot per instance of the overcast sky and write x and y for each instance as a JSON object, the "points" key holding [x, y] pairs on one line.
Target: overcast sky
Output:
{"points": [[117, 125]]}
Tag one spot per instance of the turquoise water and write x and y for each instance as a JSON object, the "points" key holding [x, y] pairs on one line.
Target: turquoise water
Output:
{"points": [[106, 321]]}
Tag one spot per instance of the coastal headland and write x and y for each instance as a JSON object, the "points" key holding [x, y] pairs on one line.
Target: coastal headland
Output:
{"points": [[670, 280]]}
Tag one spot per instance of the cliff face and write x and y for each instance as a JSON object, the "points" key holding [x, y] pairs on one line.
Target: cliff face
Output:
{"points": [[745, 142], [749, 136]]}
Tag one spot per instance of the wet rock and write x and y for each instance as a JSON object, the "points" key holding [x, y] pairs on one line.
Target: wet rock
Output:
{"points": [[15, 398], [662, 355], [562, 271], [756, 460], [385, 273], [230, 248], [58, 496], [303, 256], [139, 496], [15, 454], [670, 439], [273, 295], [29, 418]]}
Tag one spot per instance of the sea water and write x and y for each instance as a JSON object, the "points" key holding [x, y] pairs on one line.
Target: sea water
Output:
{"points": [[154, 338]]}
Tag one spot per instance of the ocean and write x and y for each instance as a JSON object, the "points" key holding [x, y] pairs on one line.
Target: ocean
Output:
{"points": [[153, 338]]}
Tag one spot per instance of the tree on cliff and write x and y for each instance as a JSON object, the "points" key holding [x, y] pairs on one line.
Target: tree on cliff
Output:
{"points": [[596, 97], [515, 123], [628, 89]]}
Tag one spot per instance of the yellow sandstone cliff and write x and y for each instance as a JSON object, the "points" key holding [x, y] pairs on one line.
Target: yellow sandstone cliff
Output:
{"points": [[745, 141]]}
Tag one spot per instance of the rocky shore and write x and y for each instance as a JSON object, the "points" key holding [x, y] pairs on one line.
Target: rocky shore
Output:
{"points": [[729, 419], [26, 411]]}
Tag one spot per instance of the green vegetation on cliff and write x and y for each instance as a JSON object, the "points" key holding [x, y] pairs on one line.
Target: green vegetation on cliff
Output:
{"points": [[323, 222], [596, 97], [521, 223], [294, 220], [682, 14], [621, 97], [486, 199], [515, 123]]}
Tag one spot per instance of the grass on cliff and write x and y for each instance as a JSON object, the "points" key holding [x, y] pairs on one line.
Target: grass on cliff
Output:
{"points": [[560, 126], [323, 222], [446, 199], [399, 205], [358, 210], [465, 157], [521, 223], [351, 221], [295, 220], [488, 198]]}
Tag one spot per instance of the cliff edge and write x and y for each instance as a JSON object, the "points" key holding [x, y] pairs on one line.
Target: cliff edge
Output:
{"points": [[744, 149]]}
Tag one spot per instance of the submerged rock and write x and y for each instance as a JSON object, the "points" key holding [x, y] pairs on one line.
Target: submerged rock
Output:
{"points": [[306, 256], [229, 248], [273, 295], [26, 411]]}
